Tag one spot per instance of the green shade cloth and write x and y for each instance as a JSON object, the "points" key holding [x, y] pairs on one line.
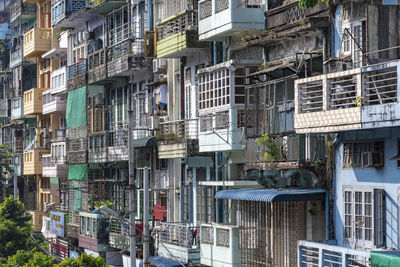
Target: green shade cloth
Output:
{"points": [[76, 114], [145, 142], [77, 196], [385, 259], [54, 187], [77, 172]]}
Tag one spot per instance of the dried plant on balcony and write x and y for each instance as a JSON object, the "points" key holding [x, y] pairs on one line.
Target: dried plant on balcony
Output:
{"points": [[270, 145]]}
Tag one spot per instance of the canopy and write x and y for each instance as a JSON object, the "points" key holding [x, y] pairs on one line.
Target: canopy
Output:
{"points": [[270, 195], [150, 141], [76, 114], [77, 172], [385, 259]]}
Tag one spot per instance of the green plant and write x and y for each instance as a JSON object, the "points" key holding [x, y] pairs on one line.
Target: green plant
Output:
{"points": [[313, 210], [270, 145], [312, 3], [99, 203], [359, 101]]}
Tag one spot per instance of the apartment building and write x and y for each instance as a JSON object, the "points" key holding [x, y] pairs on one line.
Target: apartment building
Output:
{"points": [[260, 126]]}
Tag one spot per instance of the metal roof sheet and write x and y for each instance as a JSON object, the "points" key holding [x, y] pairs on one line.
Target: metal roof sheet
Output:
{"points": [[271, 195]]}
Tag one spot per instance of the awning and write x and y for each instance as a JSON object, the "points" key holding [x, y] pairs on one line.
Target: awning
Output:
{"points": [[385, 259], [150, 141], [274, 68], [270, 195]]}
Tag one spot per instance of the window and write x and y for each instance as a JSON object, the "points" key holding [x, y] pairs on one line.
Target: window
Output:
{"points": [[364, 154], [364, 217], [214, 90]]}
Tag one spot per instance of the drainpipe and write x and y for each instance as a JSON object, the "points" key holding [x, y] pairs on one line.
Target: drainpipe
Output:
{"points": [[327, 216], [217, 188], [215, 52], [223, 178], [182, 85], [146, 238], [150, 14]]}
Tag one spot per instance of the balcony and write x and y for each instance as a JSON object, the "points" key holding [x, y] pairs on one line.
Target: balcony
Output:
{"points": [[97, 66], [51, 169], [126, 57], [73, 224], [178, 36], [58, 152], [16, 57], [58, 82], [16, 108], [359, 98], [53, 104], [327, 253], [37, 41], [77, 145], [22, 11], [178, 240], [97, 147], [293, 152], [77, 75], [93, 234], [175, 140], [62, 9], [117, 149], [119, 234], [103, 7], [219, 245], [220, 19], [33, 161], [33, 103], [17, 161]]}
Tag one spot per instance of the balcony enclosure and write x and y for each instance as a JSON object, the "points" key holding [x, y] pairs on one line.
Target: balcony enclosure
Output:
{"points": [[119, 234], [177, 34], [178, 139], [23, 11], [222, 106], [125, 41], [33, 103], [58, 83], [32, 164], [50, 169], [77, 74], [97, 151], [77, 145], [37, 41], [178, 240], [53, 104], [58, 152], [17, 111], [117, 141], [16, 57], [93, 234], [61, 9], [354, 99], [219, 19], [97, 70]]}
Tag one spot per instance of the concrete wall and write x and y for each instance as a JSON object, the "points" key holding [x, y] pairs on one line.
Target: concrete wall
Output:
{"points": [[386, 178]]}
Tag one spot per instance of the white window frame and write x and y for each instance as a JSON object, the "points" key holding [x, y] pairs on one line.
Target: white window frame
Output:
{"points": [[354, 223]]}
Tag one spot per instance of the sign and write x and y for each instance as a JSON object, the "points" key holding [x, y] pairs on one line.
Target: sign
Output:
{"points": [[57, 223]]}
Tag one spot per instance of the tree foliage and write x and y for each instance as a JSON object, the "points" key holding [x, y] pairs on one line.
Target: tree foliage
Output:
{"points": [[83, 261], [15, 211], [312, 3]]}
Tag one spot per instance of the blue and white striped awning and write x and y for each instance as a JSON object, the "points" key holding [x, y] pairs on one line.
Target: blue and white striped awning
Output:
{"points": [[271, 195]]}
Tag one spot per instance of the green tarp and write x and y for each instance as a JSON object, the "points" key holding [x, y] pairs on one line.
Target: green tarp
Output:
{"points": [[385, 259], [77, 172], [76, 114], [77, 197]]}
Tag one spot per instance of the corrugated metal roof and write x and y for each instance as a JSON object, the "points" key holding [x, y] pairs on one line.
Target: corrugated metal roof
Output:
{"points": [[271, 195], [145, 142]]}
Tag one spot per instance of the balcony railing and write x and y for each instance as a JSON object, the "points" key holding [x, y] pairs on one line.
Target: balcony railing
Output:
{"points": [[292, 148], [179, 234], [289, 15], [335, 101], [173, 130], [77, 150], [58, 152], [125, 57], [326, 253], [53, 104], [186, 21], [37, 41], [58, 82], [19, 9], [117, 145], [97, 148], [97, 66], [219, 243], [77, 74]]}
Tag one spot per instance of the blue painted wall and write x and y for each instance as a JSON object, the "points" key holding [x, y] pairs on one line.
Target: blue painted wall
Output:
{"points": [[387, 177]]}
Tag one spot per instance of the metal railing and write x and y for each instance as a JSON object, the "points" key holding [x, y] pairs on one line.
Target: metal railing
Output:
{"points": [[173, 129], [221, 5], [179, 234], [77, 69], [222, 120], [181, 23], [205, 9], [250, 3], [311, 96], [327, 254], [206, 123]]}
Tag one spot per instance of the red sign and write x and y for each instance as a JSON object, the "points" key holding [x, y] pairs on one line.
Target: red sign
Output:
{"points": [[160, 213]]}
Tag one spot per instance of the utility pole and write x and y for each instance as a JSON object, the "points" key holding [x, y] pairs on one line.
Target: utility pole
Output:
{"points": [[146, 237], [132, 237]]}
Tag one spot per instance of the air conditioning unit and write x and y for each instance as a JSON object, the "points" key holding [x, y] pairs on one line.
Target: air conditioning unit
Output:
{"points": [[159, 65], [153, 122], [372, 159]]}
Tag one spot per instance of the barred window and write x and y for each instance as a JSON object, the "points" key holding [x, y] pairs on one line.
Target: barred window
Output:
{"points": [[363, 154]]}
